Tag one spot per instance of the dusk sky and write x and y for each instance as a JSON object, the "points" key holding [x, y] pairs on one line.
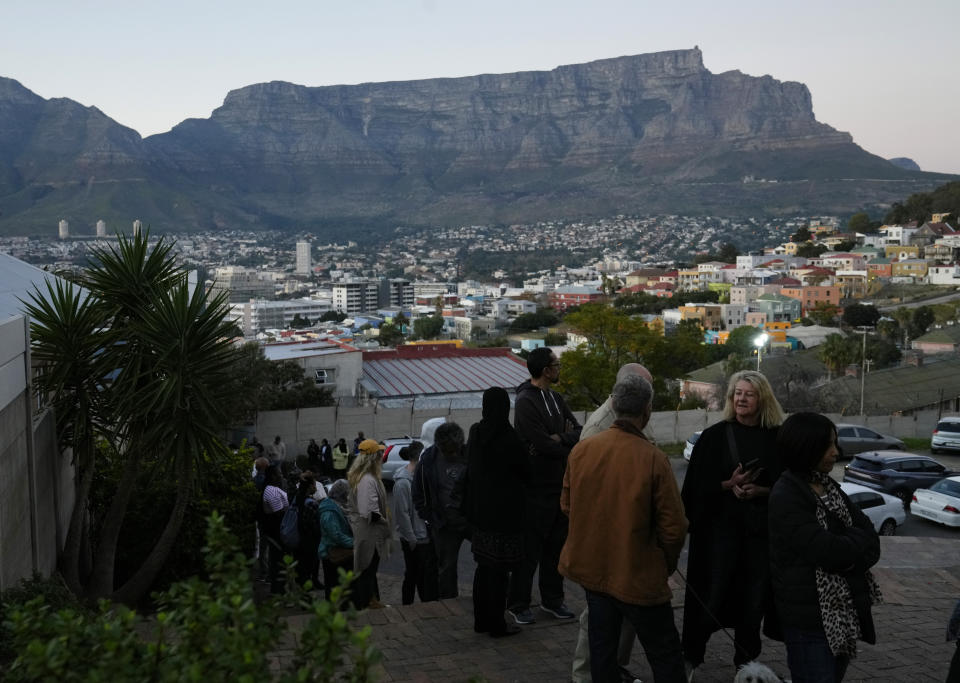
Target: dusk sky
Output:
{"points": [[882, 70]]}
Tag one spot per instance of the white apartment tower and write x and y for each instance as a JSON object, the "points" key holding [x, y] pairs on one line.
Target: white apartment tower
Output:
{"points": [[63, 228], [355, 296], [303, 258], [137, 227], [101, 229]]}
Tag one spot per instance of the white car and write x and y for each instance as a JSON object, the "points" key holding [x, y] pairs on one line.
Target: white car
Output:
{"points": [[946, 435], [688, 449], [391, 453], [939, 503], [885, 511]]}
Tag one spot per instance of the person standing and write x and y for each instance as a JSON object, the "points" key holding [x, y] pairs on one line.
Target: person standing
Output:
{"points": [[627, 528], [341, 458], [731, 470], [419, 556], [438, 489], [313, 457], [550, 430], [278, 451], [308, 527], [370, 521], [326, 459], [273, 503], [497, 470], [821, 549], [336, 537], [600, 420]]}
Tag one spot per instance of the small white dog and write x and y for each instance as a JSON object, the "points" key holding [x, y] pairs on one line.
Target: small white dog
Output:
{"points": [[755, 672]]}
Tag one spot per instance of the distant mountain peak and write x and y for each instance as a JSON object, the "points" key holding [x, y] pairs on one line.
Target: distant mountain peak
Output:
{"points": [[905, 163]]}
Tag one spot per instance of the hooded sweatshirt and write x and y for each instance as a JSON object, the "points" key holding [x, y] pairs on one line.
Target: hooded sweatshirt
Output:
{"points": [[410, 527], [538, 413]]}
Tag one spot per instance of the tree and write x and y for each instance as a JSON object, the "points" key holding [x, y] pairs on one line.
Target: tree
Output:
{"points": [[801, 235], [859, 222], [837, 352], [332, 317], [169, 356], [811, 250], [390, 335], [920, 321], [740, 341], [534, 321], [824, 313], [299, 322], [845, 245], [860, 315], [427, 327]]}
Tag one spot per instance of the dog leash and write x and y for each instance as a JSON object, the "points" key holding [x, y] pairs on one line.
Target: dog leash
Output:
{"points": [[710, 614]]}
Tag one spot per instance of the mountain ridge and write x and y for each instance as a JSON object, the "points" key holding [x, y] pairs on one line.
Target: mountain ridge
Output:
{"points": [[648, 133]]}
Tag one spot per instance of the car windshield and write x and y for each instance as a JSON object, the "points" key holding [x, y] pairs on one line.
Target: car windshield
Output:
{"points": [[693, 437], [948, 487], [864, 464], [948, 427]]}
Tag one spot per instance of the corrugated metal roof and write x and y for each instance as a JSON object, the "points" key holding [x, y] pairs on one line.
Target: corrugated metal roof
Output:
{"points": [[17, 280], [901, 389], [398, 377]]}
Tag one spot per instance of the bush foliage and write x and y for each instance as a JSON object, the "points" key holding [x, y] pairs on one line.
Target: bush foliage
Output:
{"points": [[205, 631]]}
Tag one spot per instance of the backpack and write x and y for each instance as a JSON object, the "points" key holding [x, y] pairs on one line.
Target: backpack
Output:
{"points": [[309, 527], [290, 528]]}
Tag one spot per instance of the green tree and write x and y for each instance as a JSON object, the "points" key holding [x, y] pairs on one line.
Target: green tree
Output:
{"points": [[299, 322], [427, 327], [534, 321], [920, 321], [811, 250], [837, 352], [801, 235], [859, 222], [860, 315], [390, 335], [741, 339], [824, 313], [170, 356], [332, 317]]}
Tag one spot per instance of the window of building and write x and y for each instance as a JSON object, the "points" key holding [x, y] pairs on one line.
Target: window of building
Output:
{"points": [[323, 376]]}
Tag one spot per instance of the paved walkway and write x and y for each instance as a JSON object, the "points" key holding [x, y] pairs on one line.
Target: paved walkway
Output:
{"points": [[920, 579]]}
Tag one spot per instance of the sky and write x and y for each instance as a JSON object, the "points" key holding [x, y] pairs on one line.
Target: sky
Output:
{"points": [[882, 70]]}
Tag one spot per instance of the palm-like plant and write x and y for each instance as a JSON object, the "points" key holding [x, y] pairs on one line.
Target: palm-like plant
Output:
{"points": [[167, 354]]}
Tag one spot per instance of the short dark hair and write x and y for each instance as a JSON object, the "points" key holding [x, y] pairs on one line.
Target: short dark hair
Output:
{"points": [[538, 360], [449, 438], [803, 439]]}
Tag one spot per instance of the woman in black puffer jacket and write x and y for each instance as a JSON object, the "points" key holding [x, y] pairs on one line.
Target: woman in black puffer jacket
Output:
{"points": [[821, 549]]}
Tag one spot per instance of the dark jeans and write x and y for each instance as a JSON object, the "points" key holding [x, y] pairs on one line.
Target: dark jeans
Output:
{"points": [[746, 582], [655, 631], [953, 676], [545, 532], [420, 572], [447, 544], [364, 587], [490, 598], [810, 658], [331, 575]]}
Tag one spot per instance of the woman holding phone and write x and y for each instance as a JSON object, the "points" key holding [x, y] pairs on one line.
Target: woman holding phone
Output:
{"points": [[732, 469]]}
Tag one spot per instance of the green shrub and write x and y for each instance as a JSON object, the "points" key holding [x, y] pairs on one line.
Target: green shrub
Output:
{"points": [[52, 591], [209, 630]]}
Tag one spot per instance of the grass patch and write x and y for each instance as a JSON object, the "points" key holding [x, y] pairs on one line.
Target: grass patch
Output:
{"points": [[915, 443], [675, 450]]}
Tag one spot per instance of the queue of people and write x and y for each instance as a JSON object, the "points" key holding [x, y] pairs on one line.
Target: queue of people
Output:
{"points": [[775, 545]]}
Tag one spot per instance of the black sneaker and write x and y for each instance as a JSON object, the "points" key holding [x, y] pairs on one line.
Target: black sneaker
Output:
{"points": [[523, 616], [560, 611]]}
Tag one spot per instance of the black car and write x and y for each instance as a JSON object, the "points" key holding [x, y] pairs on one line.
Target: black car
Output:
{"points": [[894, 472]]}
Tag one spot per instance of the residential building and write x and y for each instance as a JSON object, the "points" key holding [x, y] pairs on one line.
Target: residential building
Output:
{"points": [[809, 297], [914, 267], [778, 307], [709, 316], [304, 263], [879, 268], [502, 309], [744, 294], [242, 284], [940, 339], [396, 292], [329, 363], [733, 315], [101, 229], [898, 252], [63, 229], [852, 283], [356, 296], [257, 315], [563, 298], [944, 275]]}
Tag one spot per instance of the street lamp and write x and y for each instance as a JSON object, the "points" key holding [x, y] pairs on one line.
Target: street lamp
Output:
{"points": [[863, 329], [760, 341]]}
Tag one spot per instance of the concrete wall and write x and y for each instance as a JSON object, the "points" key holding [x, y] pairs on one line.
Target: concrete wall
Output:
{"points": [[298, 427], [36, 486]]}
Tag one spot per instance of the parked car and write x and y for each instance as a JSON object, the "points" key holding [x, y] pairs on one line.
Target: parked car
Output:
{"points": [[391, 454], [946, 435], [691, 442], [853, 439], [896, 473], [885, 511], [939, 503]]}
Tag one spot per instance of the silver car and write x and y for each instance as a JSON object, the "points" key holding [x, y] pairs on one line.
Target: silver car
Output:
{"points": [[854, 438], [391, 454]]}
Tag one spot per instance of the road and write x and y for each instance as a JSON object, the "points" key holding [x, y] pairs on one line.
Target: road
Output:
{"points": [[926, 302]]}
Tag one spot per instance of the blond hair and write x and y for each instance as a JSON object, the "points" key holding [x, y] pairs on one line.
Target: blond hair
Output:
{"points": [[771, 414], [364, 463]]}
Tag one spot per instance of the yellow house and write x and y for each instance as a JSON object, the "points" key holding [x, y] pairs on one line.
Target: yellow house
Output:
{"points": [[708, 315], [909, 268], [901, 252]]}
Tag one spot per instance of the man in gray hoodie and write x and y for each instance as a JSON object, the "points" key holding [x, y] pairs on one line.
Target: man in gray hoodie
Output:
{"points": [[419, 556]]}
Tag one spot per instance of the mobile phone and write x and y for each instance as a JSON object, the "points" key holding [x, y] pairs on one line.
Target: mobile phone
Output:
{"points": [[752, 465]]}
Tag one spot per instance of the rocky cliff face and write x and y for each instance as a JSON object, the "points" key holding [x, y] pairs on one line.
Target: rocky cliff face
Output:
{"points": [[647, 132]]}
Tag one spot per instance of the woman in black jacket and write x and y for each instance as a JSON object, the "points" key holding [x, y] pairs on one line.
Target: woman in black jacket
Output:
{"points": [[821, 549]]}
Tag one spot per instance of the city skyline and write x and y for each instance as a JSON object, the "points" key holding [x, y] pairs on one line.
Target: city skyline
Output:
{"points": [[150, 67]]}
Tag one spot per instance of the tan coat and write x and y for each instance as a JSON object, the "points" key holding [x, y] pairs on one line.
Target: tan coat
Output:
{"points": [[627, 524]]}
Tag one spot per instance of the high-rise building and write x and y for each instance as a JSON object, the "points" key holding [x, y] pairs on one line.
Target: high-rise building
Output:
{"points": [[356, 296], [137, 227], [243, 284], [101, 229], [303, 258], [63, 229], [396, 292]]}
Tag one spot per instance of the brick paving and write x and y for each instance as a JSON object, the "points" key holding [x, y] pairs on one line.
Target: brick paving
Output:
{"points": [[920, 579]]}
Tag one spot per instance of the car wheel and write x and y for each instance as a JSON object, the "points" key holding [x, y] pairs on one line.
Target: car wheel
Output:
{"points": [[888, 528]]}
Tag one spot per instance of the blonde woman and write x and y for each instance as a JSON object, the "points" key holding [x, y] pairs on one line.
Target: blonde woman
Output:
{"points": [[732, 469], [370, 522]]}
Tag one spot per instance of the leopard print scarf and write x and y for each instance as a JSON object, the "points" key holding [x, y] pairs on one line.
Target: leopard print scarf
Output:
{"points": [[840, 622]]}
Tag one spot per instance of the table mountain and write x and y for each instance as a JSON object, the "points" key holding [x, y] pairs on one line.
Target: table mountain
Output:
{"points": [[639, 134]]}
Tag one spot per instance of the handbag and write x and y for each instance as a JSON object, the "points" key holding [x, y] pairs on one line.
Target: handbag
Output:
{"points": [[339, 555]]}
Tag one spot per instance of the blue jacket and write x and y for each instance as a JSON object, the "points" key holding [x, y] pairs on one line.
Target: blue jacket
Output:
{"points": [[335, 530]]}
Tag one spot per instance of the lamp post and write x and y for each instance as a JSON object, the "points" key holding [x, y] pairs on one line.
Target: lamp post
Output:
{"points": [[760, 341], [863, 329]]}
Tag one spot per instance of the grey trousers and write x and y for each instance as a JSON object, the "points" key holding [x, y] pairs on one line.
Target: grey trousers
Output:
{"points": [[581, 655]]}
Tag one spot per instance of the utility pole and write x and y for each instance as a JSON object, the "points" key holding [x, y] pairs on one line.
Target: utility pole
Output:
{"points": [[863, 329]]}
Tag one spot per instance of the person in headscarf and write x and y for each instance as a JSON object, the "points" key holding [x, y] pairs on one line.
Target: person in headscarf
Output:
{"points": [[497, 470], [336, 538]]}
